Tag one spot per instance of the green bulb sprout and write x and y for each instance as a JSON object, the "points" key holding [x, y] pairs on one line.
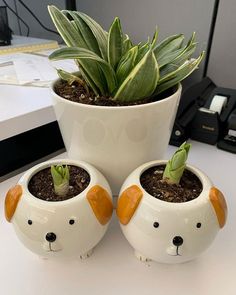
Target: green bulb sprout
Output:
{"points": [[60, 176], [176, 165]]}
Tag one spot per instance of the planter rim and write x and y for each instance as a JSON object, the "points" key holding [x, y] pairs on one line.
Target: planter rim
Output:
{"points": [[205, 181], [177, 92], [24, 181]]}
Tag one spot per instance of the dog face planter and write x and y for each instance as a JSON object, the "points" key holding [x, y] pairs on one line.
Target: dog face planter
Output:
{"points": [[66, 228], [169, 232]]}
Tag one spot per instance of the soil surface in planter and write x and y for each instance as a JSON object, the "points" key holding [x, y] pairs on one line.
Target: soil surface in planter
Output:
{"points": [[188, 189], [77, 93], [41, 184]]}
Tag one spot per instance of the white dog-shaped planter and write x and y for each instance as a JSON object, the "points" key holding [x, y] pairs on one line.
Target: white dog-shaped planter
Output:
{"points": [[65, 228], [169, 232]]}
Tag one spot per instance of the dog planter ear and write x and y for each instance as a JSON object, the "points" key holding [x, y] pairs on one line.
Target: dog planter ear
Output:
{"points": [[219, 204], [12, 198], [128, 203], [101, 204]]}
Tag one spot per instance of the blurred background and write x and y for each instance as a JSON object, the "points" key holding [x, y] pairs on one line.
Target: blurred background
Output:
{"points": [[139, 19]]}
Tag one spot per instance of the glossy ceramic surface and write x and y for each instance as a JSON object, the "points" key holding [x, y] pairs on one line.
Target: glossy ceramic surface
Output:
{"points": [[34, 219], [169, 232], [116, 139]]}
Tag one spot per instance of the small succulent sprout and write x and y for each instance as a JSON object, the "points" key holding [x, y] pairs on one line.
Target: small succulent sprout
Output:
{"points": [[60, 175], [176, 165]]}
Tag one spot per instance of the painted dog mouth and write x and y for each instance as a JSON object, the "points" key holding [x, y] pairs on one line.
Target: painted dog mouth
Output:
{"points": [[53, 250], [177, 252]]}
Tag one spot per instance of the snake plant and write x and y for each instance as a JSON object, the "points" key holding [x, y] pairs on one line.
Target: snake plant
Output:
{"points": [[111, 65], [176, 165]]}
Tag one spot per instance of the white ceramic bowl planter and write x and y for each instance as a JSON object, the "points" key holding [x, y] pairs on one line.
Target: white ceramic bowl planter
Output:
{"points": [[70, 227], [116, 140], [169, 232]]}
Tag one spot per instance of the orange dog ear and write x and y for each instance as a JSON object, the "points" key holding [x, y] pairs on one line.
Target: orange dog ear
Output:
{"points": [[101, 203], [219, 204], [128, 203], [12, 198]]}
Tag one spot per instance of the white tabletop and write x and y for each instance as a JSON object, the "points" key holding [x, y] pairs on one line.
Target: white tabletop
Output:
{"points": [[113, 269], [23, 108]]}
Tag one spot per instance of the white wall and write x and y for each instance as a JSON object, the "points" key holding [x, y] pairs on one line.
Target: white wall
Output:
{"points": [[140, 17], [222, 65], [40, 9]]}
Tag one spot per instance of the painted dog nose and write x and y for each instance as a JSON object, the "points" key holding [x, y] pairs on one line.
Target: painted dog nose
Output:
{"points": [[50, 237], [178, 241]]}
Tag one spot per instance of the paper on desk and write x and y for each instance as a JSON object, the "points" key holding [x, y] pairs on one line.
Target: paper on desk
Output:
{"points": [[39, 69], [31, 69], [8, 74], [7, 71]]}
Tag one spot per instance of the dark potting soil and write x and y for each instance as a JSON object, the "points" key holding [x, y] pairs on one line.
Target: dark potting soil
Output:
{"points": [[41, 184], [77, 93], [188, 189]]}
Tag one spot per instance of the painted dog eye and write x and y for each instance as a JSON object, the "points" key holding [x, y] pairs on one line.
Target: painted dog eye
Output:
{"points": [[198, 225], [156, 224], [30, 222], [71, 221]]}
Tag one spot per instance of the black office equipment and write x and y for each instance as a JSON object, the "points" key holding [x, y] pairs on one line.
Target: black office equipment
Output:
{"points": [[23, 150], [5, 31], [201, 119], [205, 126], [192, 99], [209, 125], [228, 143], [70, 4]]}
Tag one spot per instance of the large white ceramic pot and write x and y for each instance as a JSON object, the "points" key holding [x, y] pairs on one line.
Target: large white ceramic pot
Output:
{"points": [[169, 232], [116, 139], [68, 228]]}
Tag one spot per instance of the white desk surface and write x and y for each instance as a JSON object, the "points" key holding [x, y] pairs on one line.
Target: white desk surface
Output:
{"points": [[113, 269], [23, 108]]}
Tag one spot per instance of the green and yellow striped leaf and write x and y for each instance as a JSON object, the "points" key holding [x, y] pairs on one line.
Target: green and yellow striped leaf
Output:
{"points": [[85, 31], [126, 64], [65, 28], [84, 54], [168, 45], [142, 50], [154, 38], [178, 75], [98, 32], [142, 80], [127, 44], [71, 78], [115, 43], [175, 60]]}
